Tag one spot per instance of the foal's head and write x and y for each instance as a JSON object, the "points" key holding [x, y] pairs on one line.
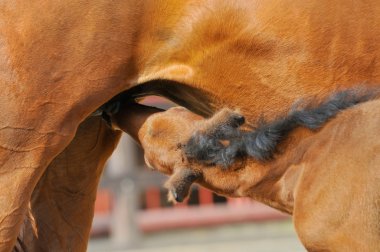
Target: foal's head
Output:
{"points": [[164, 137]]}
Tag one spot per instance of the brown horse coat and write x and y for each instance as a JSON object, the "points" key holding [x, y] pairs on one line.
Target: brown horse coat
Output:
{"points": [[61, 60], [328, 181]]}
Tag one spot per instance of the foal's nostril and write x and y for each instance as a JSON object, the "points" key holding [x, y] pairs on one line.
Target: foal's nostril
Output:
{"points": [[176, 196]]}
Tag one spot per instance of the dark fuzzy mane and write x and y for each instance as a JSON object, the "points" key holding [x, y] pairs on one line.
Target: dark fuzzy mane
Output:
{"points": [[262, 142]]}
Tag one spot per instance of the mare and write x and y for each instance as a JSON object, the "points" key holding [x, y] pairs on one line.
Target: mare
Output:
{"points": [[62, 60]]}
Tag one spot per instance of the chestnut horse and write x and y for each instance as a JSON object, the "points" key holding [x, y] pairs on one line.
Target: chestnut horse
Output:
{"points": [[328, 181], [61, 60]]}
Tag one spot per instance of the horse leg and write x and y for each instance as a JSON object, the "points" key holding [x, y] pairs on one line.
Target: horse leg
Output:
{"points": [[25, 152], [62, 204]]}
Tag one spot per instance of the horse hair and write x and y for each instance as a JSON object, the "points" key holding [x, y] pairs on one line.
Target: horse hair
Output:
{"points": [[262, 142]]}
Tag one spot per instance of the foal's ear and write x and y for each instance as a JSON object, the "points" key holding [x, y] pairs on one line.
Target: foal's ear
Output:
{"points": [[179, 184]]}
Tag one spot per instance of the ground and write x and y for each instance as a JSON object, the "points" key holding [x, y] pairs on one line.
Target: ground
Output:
{"points": [[259, 237]]}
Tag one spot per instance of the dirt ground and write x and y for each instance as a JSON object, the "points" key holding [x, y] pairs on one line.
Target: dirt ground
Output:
{"points": [[259, 237]]}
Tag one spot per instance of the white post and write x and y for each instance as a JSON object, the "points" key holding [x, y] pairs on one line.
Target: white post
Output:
{"points": [[122, 172]]}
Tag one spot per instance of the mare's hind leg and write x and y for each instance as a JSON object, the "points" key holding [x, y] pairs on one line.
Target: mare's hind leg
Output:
{"points": [[62, 204], [25, 152]]}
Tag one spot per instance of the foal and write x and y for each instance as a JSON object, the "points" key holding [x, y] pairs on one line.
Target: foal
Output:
{"points": [[328, 180]]}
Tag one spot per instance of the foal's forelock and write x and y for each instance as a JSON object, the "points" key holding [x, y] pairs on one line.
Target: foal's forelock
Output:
{"points": [[261, 143]]}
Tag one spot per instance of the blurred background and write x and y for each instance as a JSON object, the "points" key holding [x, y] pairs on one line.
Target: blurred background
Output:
{"points": [[132, 213]]}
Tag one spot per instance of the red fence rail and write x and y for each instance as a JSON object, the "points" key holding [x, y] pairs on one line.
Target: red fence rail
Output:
{"points": [[156, 216]]}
